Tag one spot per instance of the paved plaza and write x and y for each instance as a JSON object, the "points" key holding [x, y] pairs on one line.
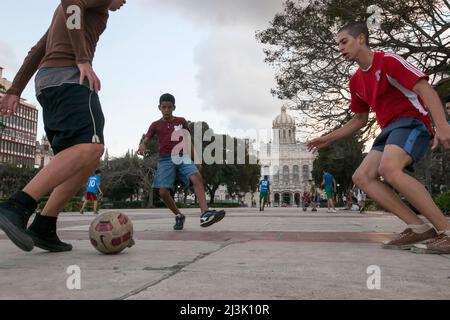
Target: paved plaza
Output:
{"points": [[282, 253]]}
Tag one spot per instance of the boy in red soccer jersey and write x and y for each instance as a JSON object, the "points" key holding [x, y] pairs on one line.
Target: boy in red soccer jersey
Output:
{"points": [[401, 98], [172, 164]]}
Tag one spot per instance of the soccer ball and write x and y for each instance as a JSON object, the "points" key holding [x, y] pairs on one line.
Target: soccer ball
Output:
{"points": [[111, 232]]}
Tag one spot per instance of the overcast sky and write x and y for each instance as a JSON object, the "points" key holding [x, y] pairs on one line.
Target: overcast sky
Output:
{"points": [[202, 51]]}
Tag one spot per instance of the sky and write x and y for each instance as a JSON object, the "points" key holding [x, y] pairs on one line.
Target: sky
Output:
{"points": [[202, 51]]}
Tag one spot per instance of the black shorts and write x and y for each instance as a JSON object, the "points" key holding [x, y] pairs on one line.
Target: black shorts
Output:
{"points": [[72, 115]]}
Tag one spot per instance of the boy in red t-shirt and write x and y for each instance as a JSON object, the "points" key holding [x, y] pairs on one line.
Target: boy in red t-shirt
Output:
{"points": [[171, 163], [401, 98]]}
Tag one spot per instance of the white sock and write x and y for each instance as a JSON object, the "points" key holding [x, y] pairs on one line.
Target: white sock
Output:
{"points": [[420, 228], [446, 232]]}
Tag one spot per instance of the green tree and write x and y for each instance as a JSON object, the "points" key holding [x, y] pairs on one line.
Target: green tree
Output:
{"points": [[148, 170], [14, 178], [242, 178], [341, 159], [122, 180]]}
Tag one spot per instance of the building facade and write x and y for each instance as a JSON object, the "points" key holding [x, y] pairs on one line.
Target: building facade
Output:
{"points": [[18, 133], [44, 153], [287, 162]]}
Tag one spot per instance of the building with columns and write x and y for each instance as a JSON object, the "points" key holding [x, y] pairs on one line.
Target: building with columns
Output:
{"points": [[286, 161]]}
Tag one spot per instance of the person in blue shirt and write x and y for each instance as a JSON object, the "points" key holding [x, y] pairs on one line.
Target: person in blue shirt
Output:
{"points": [[92, 189], [264, 191], [330, 189]]}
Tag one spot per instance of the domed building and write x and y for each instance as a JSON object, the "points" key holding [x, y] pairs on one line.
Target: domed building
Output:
{"points": [[286, 161]]}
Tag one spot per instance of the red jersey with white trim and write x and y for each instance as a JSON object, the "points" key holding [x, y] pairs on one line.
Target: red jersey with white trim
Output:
{"points": [[165, 131], [387, 88]]}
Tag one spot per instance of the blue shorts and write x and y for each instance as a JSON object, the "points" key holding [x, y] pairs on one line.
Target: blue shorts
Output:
{"points": [[169, 169], [409, 134]]}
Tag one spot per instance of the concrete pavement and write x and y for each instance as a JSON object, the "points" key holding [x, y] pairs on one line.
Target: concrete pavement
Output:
{"points": [[282, 253]]}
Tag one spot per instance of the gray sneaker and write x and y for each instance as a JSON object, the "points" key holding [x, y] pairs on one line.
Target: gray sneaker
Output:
{"points": [[179, 222]]}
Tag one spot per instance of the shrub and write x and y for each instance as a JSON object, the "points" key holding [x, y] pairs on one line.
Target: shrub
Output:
{"points": [[443, 201]]}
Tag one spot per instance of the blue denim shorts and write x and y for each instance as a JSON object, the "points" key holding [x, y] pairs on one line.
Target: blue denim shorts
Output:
{"points": [[171, 167], [409, 134]]}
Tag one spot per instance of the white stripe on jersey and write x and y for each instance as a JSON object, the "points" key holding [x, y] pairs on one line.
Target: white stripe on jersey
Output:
{"points": [[411, 95], [406, 64]]}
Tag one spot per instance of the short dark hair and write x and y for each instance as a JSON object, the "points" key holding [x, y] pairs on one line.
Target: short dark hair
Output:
{"points": [[266, 177], [98, 171], [355, 29], [167, 97]]}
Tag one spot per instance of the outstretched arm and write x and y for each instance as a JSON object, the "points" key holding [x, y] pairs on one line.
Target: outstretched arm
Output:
{"points": [[358, 121], [433, 102], [11, 99]]}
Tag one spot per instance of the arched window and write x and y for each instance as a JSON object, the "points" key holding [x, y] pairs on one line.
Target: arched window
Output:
{"points": [[277, 198], [305, 172], [296, 174], [276, 175], [285, 174]]}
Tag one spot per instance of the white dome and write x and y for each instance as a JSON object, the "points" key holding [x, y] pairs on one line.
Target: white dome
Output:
{"points": [[283, 120]]}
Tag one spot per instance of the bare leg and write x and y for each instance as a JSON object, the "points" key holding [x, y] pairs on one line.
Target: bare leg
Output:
{"points": [[366, 177], [391, 168], [199, 190], [64, 166], [65, 191], [168, 200], [84, 205]]}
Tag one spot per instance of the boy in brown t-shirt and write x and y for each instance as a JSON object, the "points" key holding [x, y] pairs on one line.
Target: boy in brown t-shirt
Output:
{"points": [[66, 87]]}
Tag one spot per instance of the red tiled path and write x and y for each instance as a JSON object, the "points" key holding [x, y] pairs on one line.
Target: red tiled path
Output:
{"points": [[234, 236]]}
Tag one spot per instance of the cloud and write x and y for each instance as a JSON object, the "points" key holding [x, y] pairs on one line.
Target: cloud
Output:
{"points": [[234, 80], [232, 77], [8, 59], [219, 12]]}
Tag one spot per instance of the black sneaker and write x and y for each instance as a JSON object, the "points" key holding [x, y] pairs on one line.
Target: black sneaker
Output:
{"points": [[13, 221], [179, 222], [43, 233], [210, 217], [49, 242]]}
